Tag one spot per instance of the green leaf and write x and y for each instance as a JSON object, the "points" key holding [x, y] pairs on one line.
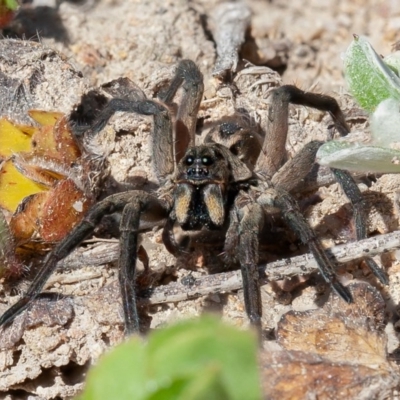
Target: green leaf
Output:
{"points": [[204, 384], [193, 360], [370, 80], [121, 374], [11, 4], [234, 350]]}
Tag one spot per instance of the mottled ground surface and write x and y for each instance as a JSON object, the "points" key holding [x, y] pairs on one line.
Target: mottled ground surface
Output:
{"points": [[143, 40]]}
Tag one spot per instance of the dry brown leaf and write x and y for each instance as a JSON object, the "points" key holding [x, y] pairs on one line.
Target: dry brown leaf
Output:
{"points": [[46, 180], [296, 375], [337, 351]]}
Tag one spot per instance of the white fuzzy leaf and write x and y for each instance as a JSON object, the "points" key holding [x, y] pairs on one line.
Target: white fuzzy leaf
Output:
{"points": [[385, 123], [351, 157]]}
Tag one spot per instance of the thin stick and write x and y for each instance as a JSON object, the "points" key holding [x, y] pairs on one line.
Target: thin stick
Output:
{"points": [[230, 281], [231, 22]]}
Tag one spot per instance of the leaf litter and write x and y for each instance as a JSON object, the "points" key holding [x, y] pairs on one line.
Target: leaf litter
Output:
{"points": [[337, 351]]}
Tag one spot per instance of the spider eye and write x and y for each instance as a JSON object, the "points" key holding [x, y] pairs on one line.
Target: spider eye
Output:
{"points": [[189, 160], [207, 160]]}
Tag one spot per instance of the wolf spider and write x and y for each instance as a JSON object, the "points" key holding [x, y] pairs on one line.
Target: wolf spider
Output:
{"points": [[228, 185]]}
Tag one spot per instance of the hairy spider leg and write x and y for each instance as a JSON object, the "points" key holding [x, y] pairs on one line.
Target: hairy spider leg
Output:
{"points": [[161, 138], [357, 201], [344, 178], [272, 156], [273, 149], [128, 203], [295, 219], [297, 168], [189, 78], [283, 182], [65, 247], [129, 228], [250, 224]]}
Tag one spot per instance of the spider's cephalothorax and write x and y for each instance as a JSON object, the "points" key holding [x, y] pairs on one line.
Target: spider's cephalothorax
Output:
{"points": [[200, 192], [228, 185], [202, 188]]}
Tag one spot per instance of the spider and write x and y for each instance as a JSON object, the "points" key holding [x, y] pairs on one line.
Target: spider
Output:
{"points": [[228, 185]]}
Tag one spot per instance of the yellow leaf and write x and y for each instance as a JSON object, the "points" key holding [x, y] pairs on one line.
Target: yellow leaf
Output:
{"points": [[12, 140], [14, 187], [27, 129], [45, 118], [37, 169]]}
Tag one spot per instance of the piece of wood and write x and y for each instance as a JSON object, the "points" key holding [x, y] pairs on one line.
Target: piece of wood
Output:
{"points": [[232, 280]]}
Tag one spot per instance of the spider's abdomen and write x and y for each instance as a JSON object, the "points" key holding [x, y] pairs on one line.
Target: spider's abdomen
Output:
{"points": [[198, 206]]}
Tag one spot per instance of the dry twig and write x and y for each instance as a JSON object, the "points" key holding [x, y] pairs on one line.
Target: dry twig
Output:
{"points": [[231, 22], [230, 281]]}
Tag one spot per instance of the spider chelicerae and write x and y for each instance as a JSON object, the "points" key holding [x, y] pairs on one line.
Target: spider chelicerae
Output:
{"points": [[228, 185]]}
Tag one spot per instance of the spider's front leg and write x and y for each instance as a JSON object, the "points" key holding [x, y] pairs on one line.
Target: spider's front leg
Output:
{"points": [[141, 203], [273, 152], [161, 138], [65, 247], [134, 205], [187, 76], [168, 144], [250, 223]]}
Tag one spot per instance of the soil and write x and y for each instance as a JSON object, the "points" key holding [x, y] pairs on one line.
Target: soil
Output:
{"points": [[81, 45]]}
